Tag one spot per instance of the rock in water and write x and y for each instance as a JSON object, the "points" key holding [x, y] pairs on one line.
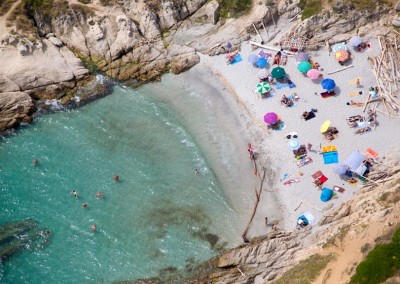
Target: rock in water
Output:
{"points": [[15, 108]]}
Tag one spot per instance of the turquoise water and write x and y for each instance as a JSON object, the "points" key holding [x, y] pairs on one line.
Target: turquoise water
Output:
{"points": [[154, 217]]}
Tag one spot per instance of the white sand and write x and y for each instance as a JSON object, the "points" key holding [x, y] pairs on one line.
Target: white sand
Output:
{"points": [[273, 145]]}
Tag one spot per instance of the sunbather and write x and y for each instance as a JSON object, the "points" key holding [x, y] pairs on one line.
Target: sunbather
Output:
{"points": [[284, 60], [355, 123], [277, 58], [362, 130], [353, 103], [284, 100], [354, 118]]}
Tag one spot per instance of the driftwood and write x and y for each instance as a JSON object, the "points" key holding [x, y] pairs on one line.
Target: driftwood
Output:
{"points": [[386, 68], [344, 68], [271, 48]]}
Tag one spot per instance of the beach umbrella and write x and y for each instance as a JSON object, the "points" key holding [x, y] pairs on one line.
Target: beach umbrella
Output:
{"points": [[301, 56], [304, 66], [339, 46], [261, 62], [228, 45], [328, 84], [342, 55], [294, 144], [325, 126], [339, 169], [262, 73], [263, 87], [271, 118], [355, 41], [355, 160], [278, 73], [252, 58], [313, 74]]}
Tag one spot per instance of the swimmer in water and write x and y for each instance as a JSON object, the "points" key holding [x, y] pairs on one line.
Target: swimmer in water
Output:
{"points": [[99, 195], [74, 193], [93, 227], [84, 205], [116, 178], [35, 162]]}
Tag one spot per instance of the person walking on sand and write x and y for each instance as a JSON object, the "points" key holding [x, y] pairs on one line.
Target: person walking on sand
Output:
{"points": [[251, 151], [309, 146], [358, 84]]}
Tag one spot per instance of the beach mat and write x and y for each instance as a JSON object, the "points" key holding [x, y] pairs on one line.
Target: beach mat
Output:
{"points": [[330, 158], [353, 94], [354, 81], [237, 59], [281, 85], [325, 95], [372, 152]]}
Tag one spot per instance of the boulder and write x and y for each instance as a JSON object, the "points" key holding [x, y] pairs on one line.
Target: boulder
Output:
{"points": [[15, 108], [396, 22], [397, 7], [56, 41], [184, 62], [212, 11]]}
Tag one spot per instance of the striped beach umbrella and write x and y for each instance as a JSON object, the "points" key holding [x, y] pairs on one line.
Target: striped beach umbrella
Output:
{"points": [[278, 73], [263, 87], [304, 66], [342, 55], [301, 56], [313, 74]]}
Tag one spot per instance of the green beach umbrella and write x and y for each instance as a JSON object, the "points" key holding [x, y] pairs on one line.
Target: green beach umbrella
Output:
{"points": [[263, 87], [278, 73], [304, 66]]}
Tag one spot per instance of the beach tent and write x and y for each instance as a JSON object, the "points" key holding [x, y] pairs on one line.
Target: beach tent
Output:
{"points": [[304, 66], [326, 194], [301, 56], [261, 62], [328, 84], [354, 161], [313, 74], [355, 41], [278, 73]]}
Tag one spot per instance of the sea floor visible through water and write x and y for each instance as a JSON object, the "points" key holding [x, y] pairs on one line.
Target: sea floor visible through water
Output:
{"points": [[160, 214]]}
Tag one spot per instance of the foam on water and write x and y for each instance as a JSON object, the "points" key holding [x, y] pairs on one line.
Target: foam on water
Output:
{"points": [[155, 217]]}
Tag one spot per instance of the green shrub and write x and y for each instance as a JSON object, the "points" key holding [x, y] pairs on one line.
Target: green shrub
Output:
{"points": [[234, 8], [380, 264]]}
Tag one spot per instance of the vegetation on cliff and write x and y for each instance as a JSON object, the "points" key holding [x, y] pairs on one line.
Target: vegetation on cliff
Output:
{"points": [[381, 263], [234, 8], [5, 6]]}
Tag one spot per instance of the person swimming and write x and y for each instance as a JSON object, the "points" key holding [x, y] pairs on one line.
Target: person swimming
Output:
{"points": [[84, 205], [99, 195], [93, 227], [116, 178], [35, 162], [74, 193]]}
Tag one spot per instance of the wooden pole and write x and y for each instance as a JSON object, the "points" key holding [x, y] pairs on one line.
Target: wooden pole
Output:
{"points": [[339, 70], [261, 39], [265, 29], [273, 20], [271, 48]]}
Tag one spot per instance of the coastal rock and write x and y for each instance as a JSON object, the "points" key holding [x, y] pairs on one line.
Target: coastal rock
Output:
{"points": [[396, 22], [397, 6], [15, 108], [212, 11], [55, 41]]}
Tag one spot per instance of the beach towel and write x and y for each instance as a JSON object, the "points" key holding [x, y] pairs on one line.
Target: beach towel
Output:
{"points": [[317, 175], [311, 114], [354, 81], [326, 194], [237, 59], [338, 188], [325, 95], [291, 84], [292, 99], [354, 93], [372, 152], [330, 158], [281, 85]]}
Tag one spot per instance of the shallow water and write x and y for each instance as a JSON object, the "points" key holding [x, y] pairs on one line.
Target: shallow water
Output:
{"points": [[159, 214]]}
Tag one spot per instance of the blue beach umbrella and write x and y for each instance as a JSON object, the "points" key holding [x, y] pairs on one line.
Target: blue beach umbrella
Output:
{"points": [[294, 144], [252, 58], [328, 84], [261, 62], [228, 45]]}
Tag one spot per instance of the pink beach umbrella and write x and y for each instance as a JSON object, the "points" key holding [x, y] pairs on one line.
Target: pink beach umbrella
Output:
{"points": [[313, 74], [271, 118]]}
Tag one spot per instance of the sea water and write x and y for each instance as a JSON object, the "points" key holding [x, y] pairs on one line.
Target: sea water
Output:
{"points": [[159, 214]]}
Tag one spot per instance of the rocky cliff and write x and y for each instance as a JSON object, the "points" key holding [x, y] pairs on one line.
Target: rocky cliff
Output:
{"points": [[45, 43]]}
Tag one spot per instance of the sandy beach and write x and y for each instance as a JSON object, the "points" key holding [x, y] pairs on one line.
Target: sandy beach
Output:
{"points": [[279, 201]]}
